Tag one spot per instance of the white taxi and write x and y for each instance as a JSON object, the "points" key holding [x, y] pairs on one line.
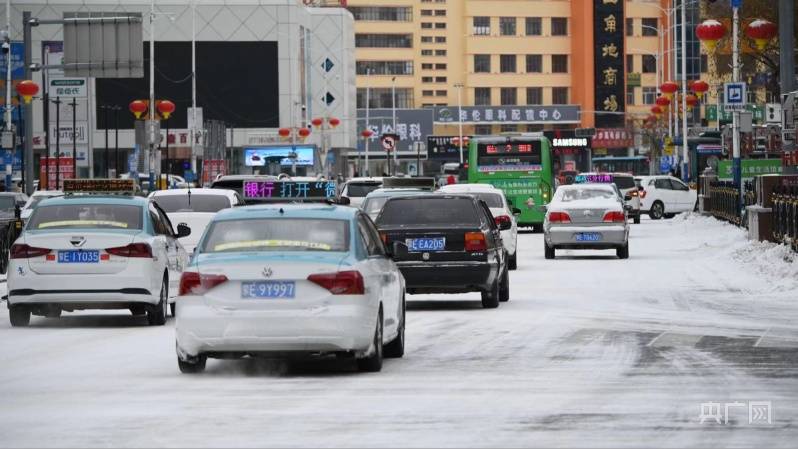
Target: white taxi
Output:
{"points": [[104, 250]]}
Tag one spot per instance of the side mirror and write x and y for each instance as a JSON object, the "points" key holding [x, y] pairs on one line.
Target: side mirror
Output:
{"points": [[344, 201], [504, 225], [183, 230], [516, 211]]}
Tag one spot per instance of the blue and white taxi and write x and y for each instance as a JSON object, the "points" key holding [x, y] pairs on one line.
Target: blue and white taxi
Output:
{"points": [[290, 279], [98, 247]]}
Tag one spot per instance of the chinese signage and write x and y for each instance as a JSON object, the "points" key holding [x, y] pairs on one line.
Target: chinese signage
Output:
{"points": [[289, 190], [599, 178], [412, 125], [17, 61], [50, 166], [751, 168], [515, 187], [446, 147], [633, 79], [726, 116], [564, 113], [608, 64], [211, 168], [613, 138], [68, 87]]}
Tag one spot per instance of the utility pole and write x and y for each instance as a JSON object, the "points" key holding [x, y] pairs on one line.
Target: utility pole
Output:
{"points": [[193, 131], [7, 47], [459, 87], [393, 113], [151, 108], [28, 145], [787, 45], [685, 149], [74, 106], [116, 138], [57, 103], [107, 149], [368, 90], [736, 163]]}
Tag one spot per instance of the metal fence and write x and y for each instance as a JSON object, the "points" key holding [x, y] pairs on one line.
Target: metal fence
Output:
{"points": [[785, 215], [9, 231]]}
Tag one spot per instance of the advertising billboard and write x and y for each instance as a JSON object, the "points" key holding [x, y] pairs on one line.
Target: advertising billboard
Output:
{"points": [[299, 155]]}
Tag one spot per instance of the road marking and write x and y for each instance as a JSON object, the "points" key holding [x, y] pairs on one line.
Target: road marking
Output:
{"points": [[675, 340]]}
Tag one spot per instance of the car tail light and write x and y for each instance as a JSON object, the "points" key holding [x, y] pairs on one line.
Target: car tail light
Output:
{"points": [[559, 217], [340, 283], [384, 238], [132, 250], [643, 194], [502, 219], [614, 217], [23, 251], [194, 283], [475, 241], [633, 193]]}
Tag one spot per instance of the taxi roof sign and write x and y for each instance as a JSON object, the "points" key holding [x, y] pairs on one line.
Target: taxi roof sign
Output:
{"points": [[100, 186], [594, 178], [414, 182], [289, 191]]}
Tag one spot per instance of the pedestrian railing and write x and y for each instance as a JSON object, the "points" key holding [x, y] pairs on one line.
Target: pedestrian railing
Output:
{"points": [[785, 215], [9, 231], [725, 201]]}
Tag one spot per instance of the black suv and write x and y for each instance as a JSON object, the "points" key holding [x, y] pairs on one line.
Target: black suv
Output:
{"points": [[446, 244]]}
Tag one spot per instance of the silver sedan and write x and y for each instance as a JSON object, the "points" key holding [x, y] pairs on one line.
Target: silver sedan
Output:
{"points": [[586, 216]]}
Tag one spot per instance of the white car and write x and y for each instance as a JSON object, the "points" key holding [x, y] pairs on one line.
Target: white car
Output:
{"points": [[290, 279], [95, 252], [34, 200], [195, 208], [501, 210], [665, 196], [356, 189]]}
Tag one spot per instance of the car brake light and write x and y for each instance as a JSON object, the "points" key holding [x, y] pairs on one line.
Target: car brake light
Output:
{"points": [[633, 193], [194, 283], [340, 283], [132, 250], [502, 219], [614, 217], [643, 194], [559, 217], [23, 251], [475, 241]]}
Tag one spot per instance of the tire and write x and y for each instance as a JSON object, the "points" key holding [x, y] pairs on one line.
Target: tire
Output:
{"points": [[156, 315], [657, 210], [504, 289], [669, 216], [637, 219], [373, 363], [623, 252], [173, 309], [490, 300], [548, 251], [513, 261], [396, 348], [19, 316], [53, 313], [194, 367], [138, 309]]}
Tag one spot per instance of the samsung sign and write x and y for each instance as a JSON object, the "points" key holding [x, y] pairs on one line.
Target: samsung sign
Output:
{"points": [[570, 142]]}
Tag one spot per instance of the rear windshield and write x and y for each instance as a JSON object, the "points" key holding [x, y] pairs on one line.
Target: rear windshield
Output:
{"points": [[361, 189], [277, 234], [192, 203], [67, 216], [35, 200], [586, 194], [429, 211], [493, 200], [7, 203], [373, 206], [624, 182]]}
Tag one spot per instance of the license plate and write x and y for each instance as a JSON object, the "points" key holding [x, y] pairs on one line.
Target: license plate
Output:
{"points": [[426, 244], [268, 289], [78, 256], [588, 237]]}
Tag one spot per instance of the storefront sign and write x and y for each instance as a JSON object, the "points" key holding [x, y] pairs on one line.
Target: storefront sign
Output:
{"points": [[751, 168], [412, 125], [446, 147], [608, 39], [613, 138], [564, 113]]}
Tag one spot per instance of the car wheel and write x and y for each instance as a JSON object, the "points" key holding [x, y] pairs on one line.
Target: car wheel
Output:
{"points": [[623, 252], [637, 219], [373, 363], [156, 315], [19, 316], [194, 366], [548, 251], [138, 309], [490, 299], [669, 216], [396, 348], [657, 210], [513, 261], [173, 309], [504, 289]]}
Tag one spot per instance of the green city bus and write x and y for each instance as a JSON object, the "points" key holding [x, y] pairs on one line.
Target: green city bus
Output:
{"points": [[518, 164]]}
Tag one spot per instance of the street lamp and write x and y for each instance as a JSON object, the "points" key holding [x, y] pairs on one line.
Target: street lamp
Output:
{"points": [[459, 87]]}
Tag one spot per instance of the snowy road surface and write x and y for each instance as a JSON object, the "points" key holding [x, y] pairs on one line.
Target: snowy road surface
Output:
{"points": [[590, 351]]}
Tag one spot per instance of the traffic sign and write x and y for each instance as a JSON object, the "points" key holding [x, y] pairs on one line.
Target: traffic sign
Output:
{"points": [[389, 141], [734, 95]]}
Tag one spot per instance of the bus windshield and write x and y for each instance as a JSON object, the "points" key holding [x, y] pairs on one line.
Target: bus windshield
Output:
{"points": [[511, 156]]}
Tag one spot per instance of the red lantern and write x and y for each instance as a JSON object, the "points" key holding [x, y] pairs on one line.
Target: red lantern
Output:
{"points": [[662, 102], [284, 132], [691, 101], [710, 32], [761, 31], [165, 108], [656, 110], [137, 107], [334, 122], [27, 89], [317, 122], [700, 88], [668, 88], [366, 133], [303, 133]]}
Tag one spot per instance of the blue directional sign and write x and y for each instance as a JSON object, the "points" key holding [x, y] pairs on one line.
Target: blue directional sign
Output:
{"points": [[17, 61], [734, 95]]}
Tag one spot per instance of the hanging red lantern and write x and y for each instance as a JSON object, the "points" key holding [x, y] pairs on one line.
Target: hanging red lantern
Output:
{"points": [[303, 133], [27, 89], [691, 101], [317, 122], [165, 108], [668, 88], [334, 122], [284, 132], [366, 133], [663, 102], [700, 88], [656, 110], [710, 32], [761, 31], [138, 107]]}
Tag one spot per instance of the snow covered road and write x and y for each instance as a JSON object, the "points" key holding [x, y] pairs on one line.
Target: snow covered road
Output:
{"points": [[590, 351]]}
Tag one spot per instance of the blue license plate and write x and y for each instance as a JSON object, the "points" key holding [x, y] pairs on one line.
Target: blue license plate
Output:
{"points": [[426, 244], [588, 237], [78, 256], [268, 289]]}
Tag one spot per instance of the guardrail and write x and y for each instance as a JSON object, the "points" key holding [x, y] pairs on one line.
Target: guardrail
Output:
{"points": [[785, 215], [725, 201], [9, 231]]}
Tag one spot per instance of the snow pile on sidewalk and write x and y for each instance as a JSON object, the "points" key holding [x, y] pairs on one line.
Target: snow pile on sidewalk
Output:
{"points": [[777, 265]]}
